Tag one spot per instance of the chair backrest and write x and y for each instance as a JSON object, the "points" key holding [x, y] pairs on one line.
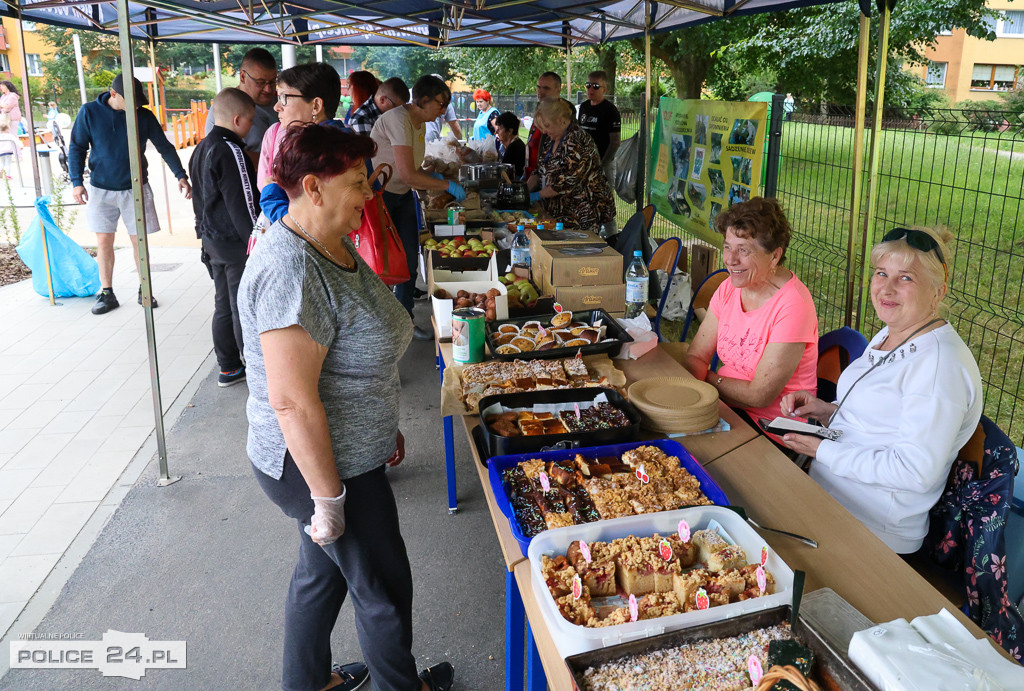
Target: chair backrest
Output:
{"points": [[702, 297], [973, 451], [666, 257], [836, 350]]}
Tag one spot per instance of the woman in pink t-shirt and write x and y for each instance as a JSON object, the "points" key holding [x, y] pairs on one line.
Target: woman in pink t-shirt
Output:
{"points": [[762, 321]]}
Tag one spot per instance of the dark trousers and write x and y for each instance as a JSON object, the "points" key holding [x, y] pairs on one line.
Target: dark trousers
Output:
{"points": [[402, 208], [226, 262], [369, 561]]}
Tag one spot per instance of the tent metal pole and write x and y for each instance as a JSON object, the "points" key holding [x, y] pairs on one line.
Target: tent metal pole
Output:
{"points": [[287, 55], [216, 67], [135, 164], [568, 71], [81, 72], [858, 168], [645, 120], [319, 53], [33, 150], [158, 107], [871, 201]]}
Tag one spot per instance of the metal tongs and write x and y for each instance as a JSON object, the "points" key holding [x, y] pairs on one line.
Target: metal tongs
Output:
{"points": [[801, 538]]}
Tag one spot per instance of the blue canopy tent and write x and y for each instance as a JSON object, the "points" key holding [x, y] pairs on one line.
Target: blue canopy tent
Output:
{"points": [[428, 23]]}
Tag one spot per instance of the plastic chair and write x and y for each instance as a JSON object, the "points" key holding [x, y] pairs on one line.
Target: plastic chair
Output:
{"points": [[836, 350], [665, 258], [702, 297], [967, 532]]}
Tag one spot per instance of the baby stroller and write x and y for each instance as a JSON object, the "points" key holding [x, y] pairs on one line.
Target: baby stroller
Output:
{"points": [[58, 143]]}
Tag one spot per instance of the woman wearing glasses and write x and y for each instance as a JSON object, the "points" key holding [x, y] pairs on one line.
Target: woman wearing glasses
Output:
{"points": [[399, 135], [906, 406]]}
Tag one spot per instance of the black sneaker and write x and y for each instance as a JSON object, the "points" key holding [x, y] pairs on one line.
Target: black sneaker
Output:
{"points": [[155, 304], [418, 294], [422, 334], [105, 302], [226, 379], [440, 677], [353, 676]]}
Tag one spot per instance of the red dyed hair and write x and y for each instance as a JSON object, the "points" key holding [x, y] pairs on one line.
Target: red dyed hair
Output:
{"points": [[321, 150], [482, 93], [361, 85]]}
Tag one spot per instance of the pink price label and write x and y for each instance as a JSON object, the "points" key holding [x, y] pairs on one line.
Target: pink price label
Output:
{"points": [[702, 599], [665, 550], [541, 331], [684, 531], [544, 482], [764, 556], [762, 579], [754, 667], [579, 353], [634, 611], [577, 587], [585, 551], [577, 407], [642, 475]]}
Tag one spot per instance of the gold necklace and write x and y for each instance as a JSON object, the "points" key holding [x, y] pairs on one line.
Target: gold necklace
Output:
{"points": [[319, 244]]}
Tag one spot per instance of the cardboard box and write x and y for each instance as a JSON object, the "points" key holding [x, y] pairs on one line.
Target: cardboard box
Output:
{"points": [[703, 261], [575, 265], [443, 308], [610, 298], [445, 231], [569, 236]]}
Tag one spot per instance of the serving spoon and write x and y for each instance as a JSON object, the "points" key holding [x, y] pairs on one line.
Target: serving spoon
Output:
{"points": [[801, 538]]}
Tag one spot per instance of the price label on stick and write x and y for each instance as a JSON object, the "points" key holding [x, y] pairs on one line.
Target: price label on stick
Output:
{"points": [[545, 484], [577, 587], [542, 332], [762, 579], [665, 550], [701, 599], [585, 551], [642, 475], [634, 611], [684, 531], [577, 407], [754, 667], [764, 555], [558, 307], [579, 353]]}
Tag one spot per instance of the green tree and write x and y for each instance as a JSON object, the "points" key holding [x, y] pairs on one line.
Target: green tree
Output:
{"points": [[504, 70], [408, 62]]}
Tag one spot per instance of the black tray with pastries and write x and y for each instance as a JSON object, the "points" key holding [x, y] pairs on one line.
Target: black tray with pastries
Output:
{"points": [[832, 668], [495, 444], [611, 343]]}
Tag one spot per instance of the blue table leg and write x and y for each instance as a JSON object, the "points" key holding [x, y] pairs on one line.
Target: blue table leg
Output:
{"points": [[449, 449], [536, 680], [515, 623]]}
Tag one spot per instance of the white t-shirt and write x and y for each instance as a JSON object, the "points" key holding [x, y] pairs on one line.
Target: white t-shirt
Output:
{"points": [[903, 425], [395, 128]]}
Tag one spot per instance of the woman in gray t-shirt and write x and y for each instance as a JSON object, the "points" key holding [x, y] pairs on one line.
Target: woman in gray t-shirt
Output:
{"points": [[323, 336]]}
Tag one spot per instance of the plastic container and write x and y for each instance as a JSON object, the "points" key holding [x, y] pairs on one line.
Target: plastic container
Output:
{"points": [[615, 336], [496, 465], [571, 639], [498, 445]]}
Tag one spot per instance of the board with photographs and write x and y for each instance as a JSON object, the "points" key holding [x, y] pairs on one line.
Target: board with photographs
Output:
{"points": [[705, 157]]}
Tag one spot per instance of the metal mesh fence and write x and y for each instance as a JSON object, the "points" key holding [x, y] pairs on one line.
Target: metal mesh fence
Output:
{"points": [[960, 169]]}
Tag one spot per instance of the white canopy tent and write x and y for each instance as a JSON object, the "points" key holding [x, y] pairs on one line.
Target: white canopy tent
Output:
{"points": [[427, 23]]}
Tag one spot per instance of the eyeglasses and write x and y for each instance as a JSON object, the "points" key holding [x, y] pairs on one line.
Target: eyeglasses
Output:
{"points": [[283, 98], [593, 85], [260, 83], [918, 239]]}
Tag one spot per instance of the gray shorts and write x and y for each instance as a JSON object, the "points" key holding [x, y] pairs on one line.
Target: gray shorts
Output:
{"points": [[106, 206]]}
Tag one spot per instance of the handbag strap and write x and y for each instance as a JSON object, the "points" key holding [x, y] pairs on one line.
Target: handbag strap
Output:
{"points": [[383, 171]]}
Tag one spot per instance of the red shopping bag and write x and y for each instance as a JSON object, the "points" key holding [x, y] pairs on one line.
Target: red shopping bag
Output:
{"points": [[377, 239]]}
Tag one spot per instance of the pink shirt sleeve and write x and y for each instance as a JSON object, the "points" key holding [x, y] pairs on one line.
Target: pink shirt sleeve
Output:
{"points": [[268, 150]]}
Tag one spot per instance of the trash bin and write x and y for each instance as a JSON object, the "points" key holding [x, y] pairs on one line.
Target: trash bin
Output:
{"points": [[45, 171]]}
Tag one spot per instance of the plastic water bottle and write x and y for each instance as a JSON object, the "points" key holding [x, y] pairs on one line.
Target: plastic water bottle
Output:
{"points": [[637, 280], [521, 247]]}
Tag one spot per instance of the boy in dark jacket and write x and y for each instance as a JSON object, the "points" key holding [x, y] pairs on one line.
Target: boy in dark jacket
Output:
{"points": [[226, 204]]}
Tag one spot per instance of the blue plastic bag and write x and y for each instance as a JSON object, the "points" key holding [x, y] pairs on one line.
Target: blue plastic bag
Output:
{"points": [[74, 273]]}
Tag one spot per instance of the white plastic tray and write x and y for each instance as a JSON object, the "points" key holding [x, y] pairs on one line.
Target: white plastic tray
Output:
{"points": [[571, 639]]}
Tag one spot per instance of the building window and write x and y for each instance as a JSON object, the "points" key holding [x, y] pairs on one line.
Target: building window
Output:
{"points": [[936, 76], [28, 26], [993, 77], [5, 66], [1012, 24], [35, 65]]}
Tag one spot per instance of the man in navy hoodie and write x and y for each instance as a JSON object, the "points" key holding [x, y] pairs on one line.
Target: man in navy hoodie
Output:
{"points": [[101, 130]]}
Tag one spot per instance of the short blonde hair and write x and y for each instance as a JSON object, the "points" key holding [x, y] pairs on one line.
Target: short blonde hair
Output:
{"points": [[904, 255], [231, 102], [550, 112]]}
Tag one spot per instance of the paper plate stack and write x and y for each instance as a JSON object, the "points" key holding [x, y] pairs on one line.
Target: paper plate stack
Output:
{"points": [[675, 404]]}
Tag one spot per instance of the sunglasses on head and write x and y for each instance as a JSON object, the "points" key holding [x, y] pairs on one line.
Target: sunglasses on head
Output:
{"points": [[918, 239], [593, 85]]}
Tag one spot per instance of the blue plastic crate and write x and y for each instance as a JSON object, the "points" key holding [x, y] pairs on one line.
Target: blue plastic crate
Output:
{"points": [[498, 464]]}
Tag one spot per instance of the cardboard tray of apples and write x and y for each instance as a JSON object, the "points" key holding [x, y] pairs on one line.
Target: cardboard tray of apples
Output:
{"points": [[524, 299], [461, 253]]}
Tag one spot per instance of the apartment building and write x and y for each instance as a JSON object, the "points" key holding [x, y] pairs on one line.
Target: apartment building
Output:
{"points": [[10, 52], [968, 68]]}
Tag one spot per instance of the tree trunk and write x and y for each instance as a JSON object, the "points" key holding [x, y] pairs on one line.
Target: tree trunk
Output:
{"points": [[688, 71], [607, 61]]}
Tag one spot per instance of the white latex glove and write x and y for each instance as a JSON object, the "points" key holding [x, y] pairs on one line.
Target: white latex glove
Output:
{"points": [[328, 521]]}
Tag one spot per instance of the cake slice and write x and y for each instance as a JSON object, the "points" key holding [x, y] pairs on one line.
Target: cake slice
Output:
{"points": [[708, 542], [557, 574], [685, 585], [730, 557]]}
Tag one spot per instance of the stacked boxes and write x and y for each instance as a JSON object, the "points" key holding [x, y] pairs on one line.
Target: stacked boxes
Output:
{"points": [[582, 276]]}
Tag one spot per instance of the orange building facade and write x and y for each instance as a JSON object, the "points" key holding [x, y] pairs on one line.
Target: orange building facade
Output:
{"points": [[968, 68]]}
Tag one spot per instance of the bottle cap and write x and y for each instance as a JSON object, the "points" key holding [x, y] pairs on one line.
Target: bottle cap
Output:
{"points": [[540, 226], [520, 227], [638, 253], [559, 226]]}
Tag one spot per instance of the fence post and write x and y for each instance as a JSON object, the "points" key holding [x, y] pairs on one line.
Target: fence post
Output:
{"points": [[771, 181]]}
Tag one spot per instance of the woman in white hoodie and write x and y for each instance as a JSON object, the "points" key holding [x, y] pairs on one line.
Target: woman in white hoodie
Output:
{"points": [[906, 406]]}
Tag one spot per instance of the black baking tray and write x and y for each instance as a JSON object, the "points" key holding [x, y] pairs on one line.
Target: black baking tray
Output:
{"points": [[497, 445], [615, 333], [828, 661]]}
